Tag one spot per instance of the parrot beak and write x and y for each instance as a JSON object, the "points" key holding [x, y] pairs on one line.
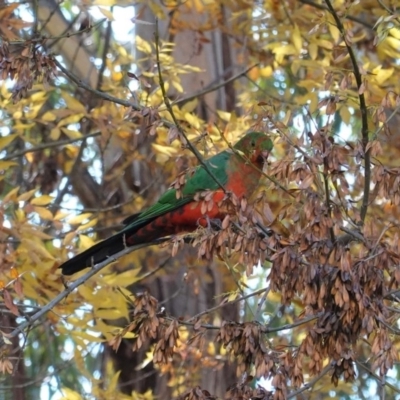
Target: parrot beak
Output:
{"points": [[265, 154], [262, 156]]}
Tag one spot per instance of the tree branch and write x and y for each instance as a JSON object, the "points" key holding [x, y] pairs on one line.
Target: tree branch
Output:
{"points": [[98, 93], [171, 111], [363, 110], [49, 145], [349, 17], [311, 383], [372, 373], [52, 303], [213, 88]]}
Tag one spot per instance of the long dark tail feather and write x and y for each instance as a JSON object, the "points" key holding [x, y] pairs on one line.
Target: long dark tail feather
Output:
{"points": [[95, 254]]}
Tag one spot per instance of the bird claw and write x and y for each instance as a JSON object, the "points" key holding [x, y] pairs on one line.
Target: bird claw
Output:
{"points": [[213, 223]]}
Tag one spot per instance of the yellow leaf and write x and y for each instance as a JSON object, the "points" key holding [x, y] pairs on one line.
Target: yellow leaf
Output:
{"points": [[190, 106], [43, 213], [20, 216], [177, 86], [129, 335], [194, 121], [167, 150], [73, 104], [86, 336], [68, 238], [42, 200], [334, 32], [107, 13], [143, 46], [107, 3], [211, 348], [392, 42], [122, 279], [87, 293], [6, 140], [113, 383], [27, 195], [72, 134], [33, 111], [7, 164], [345, 114], [48, 116], [11, 195], [22, 127], [60, 215], [72, 119], [116, 76], [395, 32], [267, 71], [309, 84], [38, 96], [17, 115], [14, 273], [224, 115], [297, 39], [282, 51], [382, 74], [313, 102], [233, 296], [85, 242], [109, 313], [313, 50], [78, 219], [29, 231], [69, 394], [55, 134], [326, 44], [91, 223], [37, 247]]}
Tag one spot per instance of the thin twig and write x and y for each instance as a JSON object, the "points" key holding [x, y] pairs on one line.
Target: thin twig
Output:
{"points": [[213, 88], [104, 56], [49, 145], [170, 110], [64, 36], [395, 111], [388, 10], [98, 93], [291, 326], [61, 193], [391, 328], [363, 110], [328, 198], [239, 299], [260, 304], [311, 383], [349, 17], [372, 373]]}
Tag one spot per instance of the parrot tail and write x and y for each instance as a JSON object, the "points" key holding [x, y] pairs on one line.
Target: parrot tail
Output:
{"points": [[95, 254]]}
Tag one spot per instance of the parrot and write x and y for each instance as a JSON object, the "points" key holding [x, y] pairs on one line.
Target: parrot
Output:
{"points": [[179, 210]]}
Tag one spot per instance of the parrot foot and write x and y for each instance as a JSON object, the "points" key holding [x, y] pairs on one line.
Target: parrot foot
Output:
{"points": [[214, 224]]}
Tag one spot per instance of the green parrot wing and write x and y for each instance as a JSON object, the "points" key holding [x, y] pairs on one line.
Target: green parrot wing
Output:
{"points": [[198, 182]]}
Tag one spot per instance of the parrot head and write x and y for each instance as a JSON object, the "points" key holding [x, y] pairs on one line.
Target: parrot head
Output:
{"points": [[256, 146]]}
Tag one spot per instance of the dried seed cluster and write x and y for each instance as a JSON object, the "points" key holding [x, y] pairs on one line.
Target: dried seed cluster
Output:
{"points": [[339, 270], [26, 64]]}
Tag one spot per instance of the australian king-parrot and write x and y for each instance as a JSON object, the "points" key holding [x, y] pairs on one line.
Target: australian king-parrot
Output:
{"points": [[237, 171]]}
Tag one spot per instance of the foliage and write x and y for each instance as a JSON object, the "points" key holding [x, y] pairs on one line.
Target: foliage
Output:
{"points": [[322, 79]]}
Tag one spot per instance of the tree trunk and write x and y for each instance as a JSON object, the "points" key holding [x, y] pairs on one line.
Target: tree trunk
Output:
{"points": [[216, 56]]}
